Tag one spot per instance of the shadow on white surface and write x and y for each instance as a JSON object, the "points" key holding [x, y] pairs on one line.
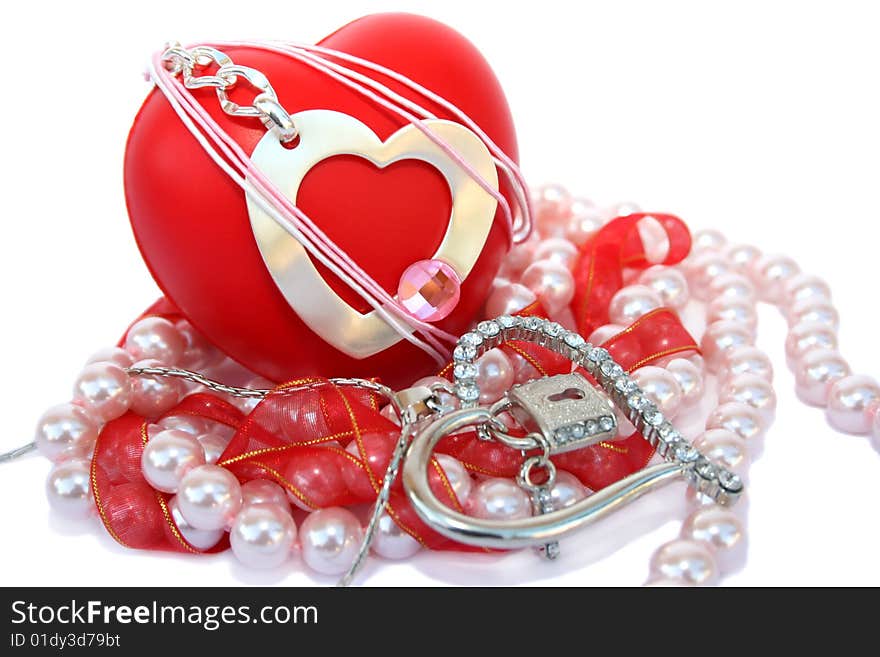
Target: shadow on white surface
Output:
{"points": [[588, 546]]}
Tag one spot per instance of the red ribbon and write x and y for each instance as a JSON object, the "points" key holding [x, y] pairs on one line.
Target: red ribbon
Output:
{"points": [[598, 273], [297, 435]]}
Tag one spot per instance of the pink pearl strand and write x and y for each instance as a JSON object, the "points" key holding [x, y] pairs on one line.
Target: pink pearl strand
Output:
{"points": [[712, 541], [728, 276], [104, 391], [725, 277]]}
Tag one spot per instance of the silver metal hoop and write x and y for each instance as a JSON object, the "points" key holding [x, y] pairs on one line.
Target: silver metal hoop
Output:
{"points": [[506, 534], [524, 479]]}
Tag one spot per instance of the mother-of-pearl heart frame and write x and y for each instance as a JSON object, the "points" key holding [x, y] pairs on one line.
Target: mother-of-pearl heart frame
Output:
{"points": [[326, 133]]}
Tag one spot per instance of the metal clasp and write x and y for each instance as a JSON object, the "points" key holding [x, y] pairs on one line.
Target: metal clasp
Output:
{"points": [[419, 402]]}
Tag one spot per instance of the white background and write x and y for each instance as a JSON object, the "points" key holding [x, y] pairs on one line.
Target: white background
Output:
{"points": [[759, 118]]}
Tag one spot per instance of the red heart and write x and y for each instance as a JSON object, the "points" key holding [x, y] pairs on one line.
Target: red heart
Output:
{"points": [[372, 192], [192, 226]]}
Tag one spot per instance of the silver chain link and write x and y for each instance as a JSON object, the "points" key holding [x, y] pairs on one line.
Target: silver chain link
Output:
{"points": [[408, 423], [191, 63], [17, 452], [255, 393]]}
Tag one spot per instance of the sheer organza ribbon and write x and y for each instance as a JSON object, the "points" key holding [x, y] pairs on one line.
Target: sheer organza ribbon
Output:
{"points": [[297, 436], [603, 260]]}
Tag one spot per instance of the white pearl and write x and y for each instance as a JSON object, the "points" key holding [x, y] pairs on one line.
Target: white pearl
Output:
{"points": [[263, 491], [213, 444], [733, 286], [815, 310], [805, 286], [604, 333], [697, 500], [815, 372], [741, 256], [151, 396], [689, 378], [495, 375], [585, 221], [874, 412], [567, 490], [686, 560], [698, 361], [191, 424], [65, 430], [330, 540], [803, 338], [667, 582], [558, 250], [669, 283], [721, 338], [622, 209], [741, 419], [753, 390], [551, 283], [771, 273], [707, 240], [747, 360], [168, 456], [457, 475], [262, 535], [113, 355], [499, 499], [198, 353], [155, 337], [631, 302], [201, 539], [391, 542], [247, 404], [661, 387], [69, 488], [723, 531], [518, 258], [654, 238], [209, 497], [848, 401], [703, 271], [732, 310], [104, 389], [725, 448], [551, 201], [580, 205]]}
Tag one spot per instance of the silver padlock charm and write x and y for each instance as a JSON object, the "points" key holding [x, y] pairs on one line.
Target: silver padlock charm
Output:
{"points": [[566, 409]]}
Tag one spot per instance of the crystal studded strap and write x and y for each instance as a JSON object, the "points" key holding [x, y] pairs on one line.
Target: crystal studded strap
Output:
{"points": [[721, 484]]}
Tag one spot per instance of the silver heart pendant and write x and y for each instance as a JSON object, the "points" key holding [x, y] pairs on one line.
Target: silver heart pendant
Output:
{"points": [[325, 134]]}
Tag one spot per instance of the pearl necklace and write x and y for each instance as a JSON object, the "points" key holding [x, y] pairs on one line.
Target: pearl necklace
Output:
{"points": [[728, 279]]}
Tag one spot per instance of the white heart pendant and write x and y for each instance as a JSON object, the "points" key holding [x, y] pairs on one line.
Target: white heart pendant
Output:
{"points": [[324, 134]]}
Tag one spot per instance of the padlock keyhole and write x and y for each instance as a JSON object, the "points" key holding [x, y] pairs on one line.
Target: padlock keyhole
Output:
{"points": [[568, 393]]}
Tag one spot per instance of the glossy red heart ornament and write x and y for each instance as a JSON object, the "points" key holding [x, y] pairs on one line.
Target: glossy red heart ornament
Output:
{"points": [[192, 225]]}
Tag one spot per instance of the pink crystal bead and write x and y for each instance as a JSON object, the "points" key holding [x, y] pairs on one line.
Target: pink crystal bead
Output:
{"points": [[429, 290]]}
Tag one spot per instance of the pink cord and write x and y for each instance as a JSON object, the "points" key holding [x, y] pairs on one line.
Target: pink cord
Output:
{"points": [[510, 168], [332, 71], [522, 229]]}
